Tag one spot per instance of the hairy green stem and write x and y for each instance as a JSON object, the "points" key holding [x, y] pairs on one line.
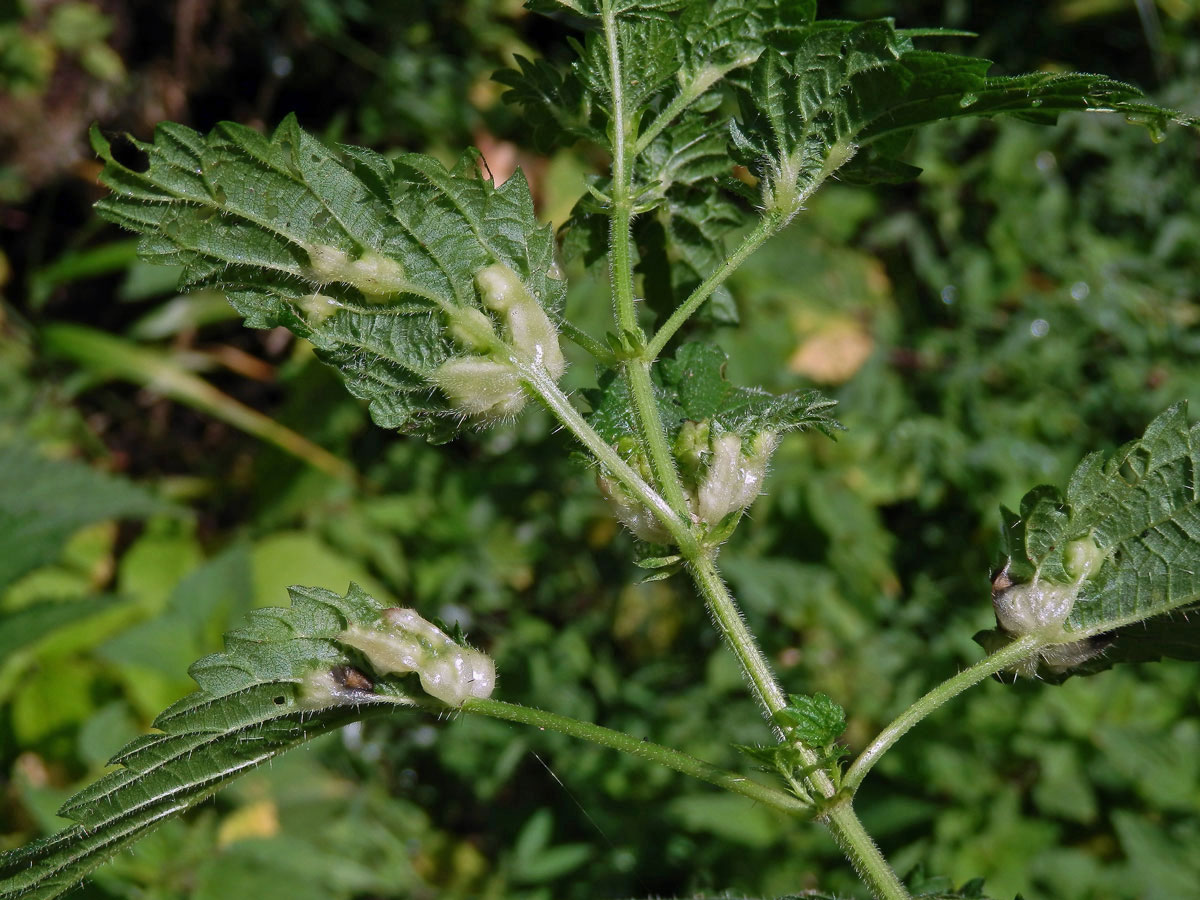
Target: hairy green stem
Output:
{"points": [[1008, 656], [840, 817], [651, 432], [783, 198], [870, 864], [688, 94], [766, 227], [842, 821], [640, 747], [559, 404], [654, 436], [620, 128], [581, 338], [728, 618], [621, 261]]}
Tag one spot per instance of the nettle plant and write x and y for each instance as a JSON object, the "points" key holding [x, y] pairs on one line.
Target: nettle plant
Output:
{"points": [[438, 297]]}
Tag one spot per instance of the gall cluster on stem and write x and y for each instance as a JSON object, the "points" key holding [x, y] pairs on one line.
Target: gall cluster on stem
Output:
{"points": [[722, 476]]}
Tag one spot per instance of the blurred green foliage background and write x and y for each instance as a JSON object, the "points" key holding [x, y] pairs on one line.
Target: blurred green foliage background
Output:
{"points": [[1032, 298]]}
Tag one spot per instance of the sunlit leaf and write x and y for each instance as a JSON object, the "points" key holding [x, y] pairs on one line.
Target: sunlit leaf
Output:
{"points": [[371, 259]]}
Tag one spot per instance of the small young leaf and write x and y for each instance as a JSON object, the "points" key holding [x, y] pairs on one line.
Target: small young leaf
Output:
{"points": [[696, 376], [692, 387], [816, 720], [659, 562], [662, 574], [775, 757], [722, 436]]}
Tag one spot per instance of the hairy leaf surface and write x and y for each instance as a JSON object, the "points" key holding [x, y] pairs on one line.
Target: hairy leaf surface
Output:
{"points": [[283, 679], [686, 178], [850, 88], [676, 51], [1140, 511], [692, 386], [362, 255], [817, 720]]}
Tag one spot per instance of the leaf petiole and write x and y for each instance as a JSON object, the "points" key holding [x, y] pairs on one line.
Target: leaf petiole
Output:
{"points": [[766, 228], [585, 341], [1004, 658], [640, 747]]}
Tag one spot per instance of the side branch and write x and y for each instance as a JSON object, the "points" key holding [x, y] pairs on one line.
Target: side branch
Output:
{"points": [[1016, 652], [759, 235], [560, 407], [627, 743]]}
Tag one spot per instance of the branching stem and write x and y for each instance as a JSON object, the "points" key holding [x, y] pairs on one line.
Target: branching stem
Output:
{"points": [[840, 819], [688, 94], [839, 816], [652, 434], [561, 408], [729, 622]]}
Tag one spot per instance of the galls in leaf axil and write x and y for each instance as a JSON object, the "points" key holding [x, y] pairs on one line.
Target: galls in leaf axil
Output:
{"points": [[486, 384]]}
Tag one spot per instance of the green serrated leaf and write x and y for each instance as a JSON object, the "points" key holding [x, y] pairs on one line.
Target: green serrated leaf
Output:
{"points": [[815, 720], [1118, 557], [675, 53], [370, 259], [845, 89], [286, 677], [558, 108], [692, 387], [682, 241], [696, 379], [562, 105]]}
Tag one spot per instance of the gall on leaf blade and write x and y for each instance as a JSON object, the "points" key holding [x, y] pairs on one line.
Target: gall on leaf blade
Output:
{"points": [[1138, 511], [289, 675], [364, 256]]}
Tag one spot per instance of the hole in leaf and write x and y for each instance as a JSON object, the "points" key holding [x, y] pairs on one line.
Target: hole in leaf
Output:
{"points": [[129, 154], [279, 701]]}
